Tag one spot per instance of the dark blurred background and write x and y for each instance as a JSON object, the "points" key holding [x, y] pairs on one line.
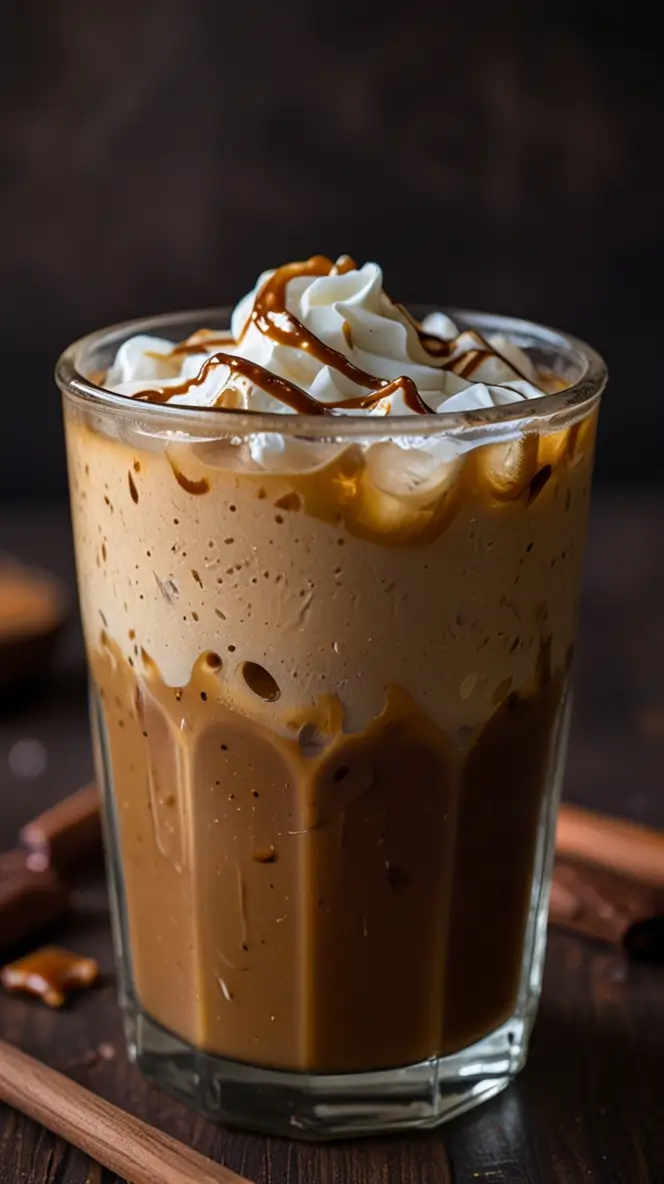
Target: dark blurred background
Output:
{"points": [[159, 153]]}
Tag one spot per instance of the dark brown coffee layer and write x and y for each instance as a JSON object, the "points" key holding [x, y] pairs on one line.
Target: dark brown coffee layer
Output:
{"points": [[324, 902]]}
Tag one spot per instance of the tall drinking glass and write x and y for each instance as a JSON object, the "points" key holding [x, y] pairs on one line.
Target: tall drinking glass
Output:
{"points": [[330, 697]]}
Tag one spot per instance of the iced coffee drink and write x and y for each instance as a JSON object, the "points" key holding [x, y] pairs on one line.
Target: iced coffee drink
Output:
{"points": [[328, 557]]}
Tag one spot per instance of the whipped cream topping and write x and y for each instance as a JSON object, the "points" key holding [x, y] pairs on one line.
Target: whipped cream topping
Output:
{"points": [[325, 338]]}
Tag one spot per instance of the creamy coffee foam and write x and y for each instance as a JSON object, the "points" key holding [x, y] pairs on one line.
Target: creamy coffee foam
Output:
{"points": [[319, 337]]}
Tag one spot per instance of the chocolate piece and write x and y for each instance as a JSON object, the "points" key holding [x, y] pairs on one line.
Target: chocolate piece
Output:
{"points": [[64, 835], [50, 974], [28, 900], [31, 892], [33, 609], [608, 907]]}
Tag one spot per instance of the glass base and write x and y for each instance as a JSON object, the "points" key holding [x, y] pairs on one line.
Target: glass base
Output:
{"points": [[316, 1106]]}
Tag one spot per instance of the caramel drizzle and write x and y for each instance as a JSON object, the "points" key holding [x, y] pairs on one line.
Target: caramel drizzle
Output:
{"points": [[410, 392], [286, 392], [207, 342], [271, 317]]}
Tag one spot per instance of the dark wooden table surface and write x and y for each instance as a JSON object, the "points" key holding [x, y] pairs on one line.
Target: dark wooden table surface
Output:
{"points": [[590, 1104]]}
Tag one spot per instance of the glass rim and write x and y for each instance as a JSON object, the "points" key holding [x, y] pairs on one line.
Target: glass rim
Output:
{"points": [[564, 404]]}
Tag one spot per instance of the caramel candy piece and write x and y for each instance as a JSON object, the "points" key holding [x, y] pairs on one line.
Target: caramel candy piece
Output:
{"points": [[28, 900], [50, 974], [64, 835]]}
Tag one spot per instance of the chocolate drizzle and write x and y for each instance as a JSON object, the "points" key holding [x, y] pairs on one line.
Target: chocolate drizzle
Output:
{"points": [[436, 347], [467, 363], [273, 319]]}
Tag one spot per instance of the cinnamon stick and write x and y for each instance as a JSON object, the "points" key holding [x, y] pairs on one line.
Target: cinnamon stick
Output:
{"points": [[611, 843], [133, 1150], [608, 907]]}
